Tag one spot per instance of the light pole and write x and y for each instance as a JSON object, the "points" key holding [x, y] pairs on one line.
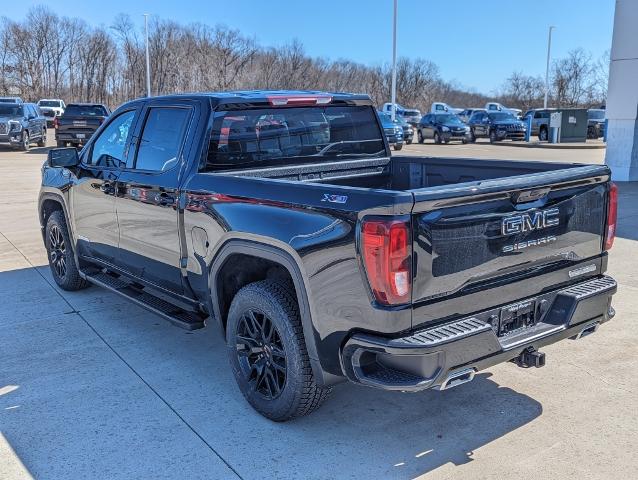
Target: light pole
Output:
{"points": [[549, 47], [394, 62], [148, 61]]}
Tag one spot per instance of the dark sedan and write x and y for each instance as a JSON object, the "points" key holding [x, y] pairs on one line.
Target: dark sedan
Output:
{"points": [[442, 128], [496, 126]]}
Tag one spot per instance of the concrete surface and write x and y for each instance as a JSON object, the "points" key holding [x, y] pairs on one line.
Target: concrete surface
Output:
{"points": [[92, 386]]}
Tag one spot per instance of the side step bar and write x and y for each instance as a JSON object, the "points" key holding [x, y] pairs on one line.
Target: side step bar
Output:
{"points": [[186, 319]]}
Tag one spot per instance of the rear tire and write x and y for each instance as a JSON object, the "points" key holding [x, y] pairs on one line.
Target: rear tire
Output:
{"points": [[267, 352], [60, 144], [60, 253], [437, 138], [472, 136], [493, 138], [398, 146]]}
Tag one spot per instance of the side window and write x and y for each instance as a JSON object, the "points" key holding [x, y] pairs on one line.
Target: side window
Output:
{"points": [[108, 148], [162, 138]]}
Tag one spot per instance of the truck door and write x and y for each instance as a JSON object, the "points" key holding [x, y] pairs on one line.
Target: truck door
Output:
{"points": [[92, 198], [147, 203]]}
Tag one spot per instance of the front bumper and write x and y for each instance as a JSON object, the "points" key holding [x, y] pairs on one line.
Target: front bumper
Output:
{"points": [[12, 138], [510, 134], [429, 358], [392, 139], [451, 136]]}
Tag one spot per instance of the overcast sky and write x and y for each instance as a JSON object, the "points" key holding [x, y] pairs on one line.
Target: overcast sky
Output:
{"points": [[476, 43]]}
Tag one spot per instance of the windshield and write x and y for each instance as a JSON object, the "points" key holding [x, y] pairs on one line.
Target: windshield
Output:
{"points": [[501, 116], [49, 103], [448, 118], [596, 114], [10, 110], [288, 136], [86, 110]]}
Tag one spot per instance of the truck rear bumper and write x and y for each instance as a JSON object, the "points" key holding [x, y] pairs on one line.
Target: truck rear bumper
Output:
{"points": [[436, 356]]}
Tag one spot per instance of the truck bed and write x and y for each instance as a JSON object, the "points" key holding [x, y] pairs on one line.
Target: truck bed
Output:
{"points": [[402, 173]]}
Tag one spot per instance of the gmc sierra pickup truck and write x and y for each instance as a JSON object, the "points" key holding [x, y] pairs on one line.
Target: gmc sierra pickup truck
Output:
{"points": [[282, 219]]}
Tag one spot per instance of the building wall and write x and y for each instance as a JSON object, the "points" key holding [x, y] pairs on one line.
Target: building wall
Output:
{"points": [[622, 96]]}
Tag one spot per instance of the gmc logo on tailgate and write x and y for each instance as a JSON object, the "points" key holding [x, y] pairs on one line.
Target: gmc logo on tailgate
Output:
{"points": [[528, 222]]}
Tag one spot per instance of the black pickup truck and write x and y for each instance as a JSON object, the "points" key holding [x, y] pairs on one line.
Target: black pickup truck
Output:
{"points": [[78, 123], [282, 219]]}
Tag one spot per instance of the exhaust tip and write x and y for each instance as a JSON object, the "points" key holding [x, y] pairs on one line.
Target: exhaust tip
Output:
{"points": [[457, 378], [588, 330]]}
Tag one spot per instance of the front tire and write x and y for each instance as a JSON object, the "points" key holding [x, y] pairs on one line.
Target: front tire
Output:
{"points": [[493, 138], [419, 137], [398, 146], [437, 138], [267, 352], [26, 141], [43, 138], [543, 135], [472, 136], [60, 253]]}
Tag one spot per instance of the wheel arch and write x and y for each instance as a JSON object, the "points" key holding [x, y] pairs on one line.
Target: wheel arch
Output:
{"points": [[47, 204], [262, 254]]}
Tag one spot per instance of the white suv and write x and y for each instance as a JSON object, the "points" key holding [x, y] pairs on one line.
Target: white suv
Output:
{"points": [[51, 108]]}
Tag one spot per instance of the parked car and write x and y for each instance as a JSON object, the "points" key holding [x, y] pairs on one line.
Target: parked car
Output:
{"points": [[411, 115], [11, 100], [467, 113], [51, 108], [540, 122], [78, 123], [497, 107], [393, 130], [283, 220], [595, 123], [496, 126], [440, 107], [21, 124], [408, 130], [442, 128]]}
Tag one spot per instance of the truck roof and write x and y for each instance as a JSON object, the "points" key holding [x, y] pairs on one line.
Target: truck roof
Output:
{"points": [[258, 97]]}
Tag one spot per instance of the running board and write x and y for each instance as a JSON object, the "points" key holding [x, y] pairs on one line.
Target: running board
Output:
{"points": [[178, 316]]}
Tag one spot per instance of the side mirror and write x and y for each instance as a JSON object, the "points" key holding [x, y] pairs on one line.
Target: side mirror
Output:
{"points": [[63, 157]]}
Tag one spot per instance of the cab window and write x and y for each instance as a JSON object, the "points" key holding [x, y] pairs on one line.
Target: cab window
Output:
{"points": [[109, 147]]}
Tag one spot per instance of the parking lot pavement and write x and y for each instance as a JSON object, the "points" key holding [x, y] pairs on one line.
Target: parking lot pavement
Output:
{"points": [[92, 386]]}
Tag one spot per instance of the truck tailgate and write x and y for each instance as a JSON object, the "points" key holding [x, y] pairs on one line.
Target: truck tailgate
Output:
{"points": [[493, 233]]}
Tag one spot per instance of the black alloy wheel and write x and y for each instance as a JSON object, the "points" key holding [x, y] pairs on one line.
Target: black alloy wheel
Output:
{"points": [[57, 251], [261, 354]]}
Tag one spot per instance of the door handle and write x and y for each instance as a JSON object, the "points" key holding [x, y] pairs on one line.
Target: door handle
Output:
{"points": [[107, 187], [164, 199]]}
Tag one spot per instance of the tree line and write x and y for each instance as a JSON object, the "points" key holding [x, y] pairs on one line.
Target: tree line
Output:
{"points": [[50, 56]]}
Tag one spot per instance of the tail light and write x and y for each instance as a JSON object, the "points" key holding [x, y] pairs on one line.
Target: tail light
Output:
{"points": [[612, 216], [56, 124], [386, 252]]}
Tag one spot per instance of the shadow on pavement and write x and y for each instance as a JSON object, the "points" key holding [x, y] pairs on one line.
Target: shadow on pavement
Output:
{"points": [[95, 373]]}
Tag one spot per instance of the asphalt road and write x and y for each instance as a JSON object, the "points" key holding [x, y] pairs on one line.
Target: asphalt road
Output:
{"points": [[92, 386]]}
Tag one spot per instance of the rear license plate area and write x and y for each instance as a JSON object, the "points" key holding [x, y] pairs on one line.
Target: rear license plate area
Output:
{"points": [[517, 317]]}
